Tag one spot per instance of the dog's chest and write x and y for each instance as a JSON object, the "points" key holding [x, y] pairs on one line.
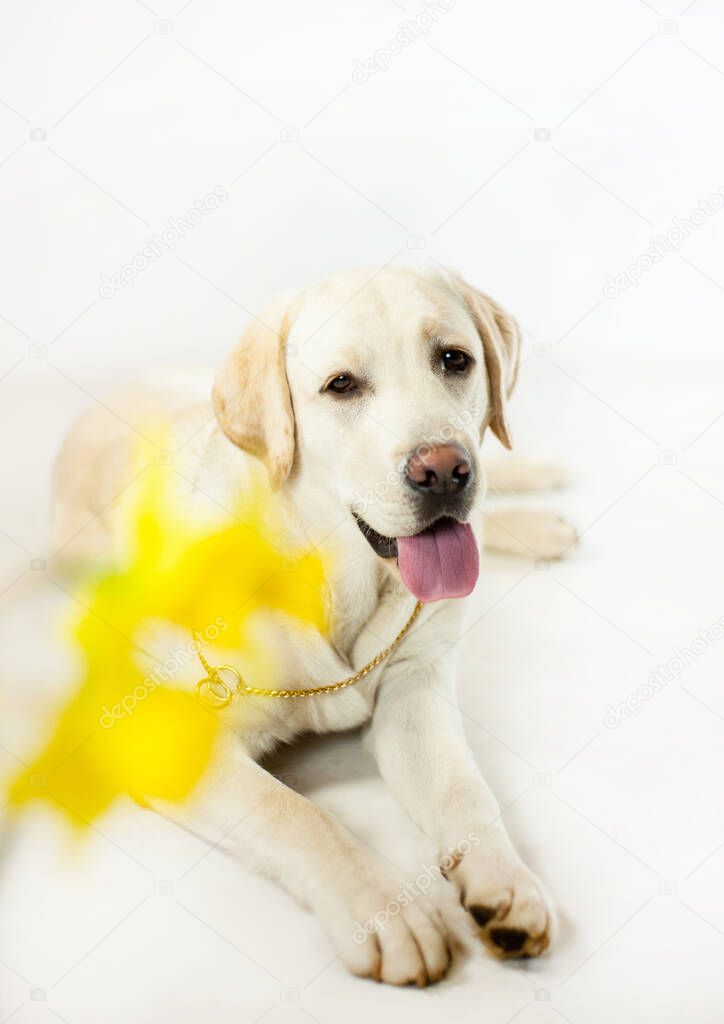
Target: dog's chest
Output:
{"points": [[305, 660]]}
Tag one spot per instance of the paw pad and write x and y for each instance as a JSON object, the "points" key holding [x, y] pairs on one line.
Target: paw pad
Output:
{"points": [[510, 940], [482, 915]]}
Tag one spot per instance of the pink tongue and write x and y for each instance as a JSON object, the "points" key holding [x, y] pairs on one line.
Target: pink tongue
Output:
{"points": [[440, 562]]}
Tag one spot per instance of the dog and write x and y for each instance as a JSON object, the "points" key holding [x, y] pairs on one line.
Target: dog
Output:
{"points": [[366, 399]]}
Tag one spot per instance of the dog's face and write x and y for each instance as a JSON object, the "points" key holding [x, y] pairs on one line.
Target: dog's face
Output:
{"points": [[376, 394]]}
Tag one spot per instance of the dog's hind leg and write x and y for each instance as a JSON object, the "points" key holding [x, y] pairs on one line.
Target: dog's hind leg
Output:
{"points": [[516, 474], [538, 533]]}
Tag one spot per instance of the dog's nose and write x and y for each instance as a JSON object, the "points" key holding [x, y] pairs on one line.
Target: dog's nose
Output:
{"points": [[442, 469]]}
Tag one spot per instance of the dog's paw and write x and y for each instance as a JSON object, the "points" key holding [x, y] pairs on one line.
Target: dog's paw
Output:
{"points": [[509, 905], [517, 474], [387, 935], [538, 533], [548, 535]]}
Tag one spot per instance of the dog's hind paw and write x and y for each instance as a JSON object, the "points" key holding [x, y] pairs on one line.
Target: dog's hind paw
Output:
{"points": [[517, 474], [538, 533]]}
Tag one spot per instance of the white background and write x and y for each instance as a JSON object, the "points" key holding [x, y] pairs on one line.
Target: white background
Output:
{"points": [[538, 148]]}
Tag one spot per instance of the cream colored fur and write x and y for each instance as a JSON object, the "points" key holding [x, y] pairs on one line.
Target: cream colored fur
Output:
{"points": [[325, 457]]}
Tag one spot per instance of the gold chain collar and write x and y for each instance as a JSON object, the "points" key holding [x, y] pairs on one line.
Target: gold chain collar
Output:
{"points": [[214, 690]]}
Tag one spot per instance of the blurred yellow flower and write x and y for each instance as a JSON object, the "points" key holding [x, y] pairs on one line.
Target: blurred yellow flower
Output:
{"points": [[124, 731]]}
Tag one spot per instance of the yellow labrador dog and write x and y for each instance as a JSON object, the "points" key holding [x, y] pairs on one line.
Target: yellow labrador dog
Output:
{"points": [[366, 397]]}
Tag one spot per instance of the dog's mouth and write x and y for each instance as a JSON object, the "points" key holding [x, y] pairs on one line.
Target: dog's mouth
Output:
{"points": [[438, 562]]}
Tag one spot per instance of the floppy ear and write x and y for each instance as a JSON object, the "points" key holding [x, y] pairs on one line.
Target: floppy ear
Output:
{"points": [[501, 340], [251, 395]]}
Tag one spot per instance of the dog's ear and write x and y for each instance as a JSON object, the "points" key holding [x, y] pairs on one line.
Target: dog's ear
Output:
{"points": [[501, 340], [251, 394]]}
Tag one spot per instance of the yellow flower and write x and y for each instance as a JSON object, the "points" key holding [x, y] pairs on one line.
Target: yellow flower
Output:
{"points": [[127, 731]]}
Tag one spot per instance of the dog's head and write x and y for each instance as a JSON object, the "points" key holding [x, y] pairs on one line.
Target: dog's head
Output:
{"points": [[372, 392]]}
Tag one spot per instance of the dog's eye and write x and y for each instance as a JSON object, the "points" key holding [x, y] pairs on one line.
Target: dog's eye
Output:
{"points": [[342, 384], [455, 360]]}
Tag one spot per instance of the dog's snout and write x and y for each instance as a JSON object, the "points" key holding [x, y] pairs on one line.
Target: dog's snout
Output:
{"points": [[442, 469]]}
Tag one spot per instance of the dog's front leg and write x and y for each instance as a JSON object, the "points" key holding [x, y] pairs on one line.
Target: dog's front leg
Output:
{"points": [[246, 811], [417, 739]]}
